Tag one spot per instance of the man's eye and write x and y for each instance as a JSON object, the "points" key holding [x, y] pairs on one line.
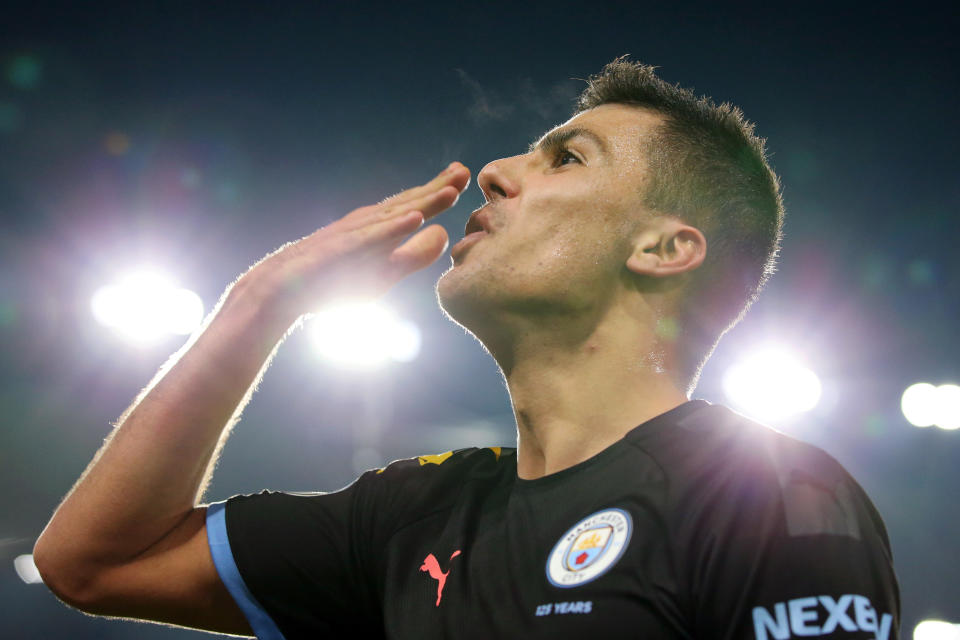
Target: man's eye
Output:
{"points": [[564, 156]]}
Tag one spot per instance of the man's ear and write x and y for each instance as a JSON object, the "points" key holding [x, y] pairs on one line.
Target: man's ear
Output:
{"points": [[668, 247]]}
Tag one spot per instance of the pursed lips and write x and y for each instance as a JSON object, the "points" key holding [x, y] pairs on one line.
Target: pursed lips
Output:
{"points": [[478, 226], [479, 220]]}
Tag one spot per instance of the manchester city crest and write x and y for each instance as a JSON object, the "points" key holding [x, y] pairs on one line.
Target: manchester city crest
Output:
{"points": [[589, 548]]}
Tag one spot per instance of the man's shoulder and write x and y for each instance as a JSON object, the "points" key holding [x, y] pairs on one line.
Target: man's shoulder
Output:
{"points": [[719, 462], [714, 440], [411, 477], [444, 470], [456, 461], [765, 450]]}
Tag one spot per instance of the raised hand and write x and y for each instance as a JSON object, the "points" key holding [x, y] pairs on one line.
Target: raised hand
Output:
{"points": [[130, 540], [365, 252]]}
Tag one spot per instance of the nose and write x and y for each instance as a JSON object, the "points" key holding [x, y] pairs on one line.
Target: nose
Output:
{"points": [[497, 179]]}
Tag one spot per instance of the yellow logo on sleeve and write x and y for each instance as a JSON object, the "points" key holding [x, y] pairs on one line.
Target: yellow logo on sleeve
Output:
{"points": [[437, 458], [440, 458]]}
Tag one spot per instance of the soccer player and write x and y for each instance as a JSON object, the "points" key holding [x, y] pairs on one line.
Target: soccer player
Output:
{"points": [[605, 265]]}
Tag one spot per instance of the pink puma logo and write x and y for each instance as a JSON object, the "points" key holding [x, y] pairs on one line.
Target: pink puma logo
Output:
{"points": [[431, 566]]}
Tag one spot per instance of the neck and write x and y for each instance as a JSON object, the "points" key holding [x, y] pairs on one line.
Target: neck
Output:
{"points": [[574, 398]]}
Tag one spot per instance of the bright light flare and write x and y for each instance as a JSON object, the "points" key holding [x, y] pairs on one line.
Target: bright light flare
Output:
{"points": [[26, 569], [363, 335], [936, 630], [918, 404], [772, 384], [925, 405], [144, 307]]}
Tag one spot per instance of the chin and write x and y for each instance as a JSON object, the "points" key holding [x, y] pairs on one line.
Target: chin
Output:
{"points": [[474, 296], [458, 297]]}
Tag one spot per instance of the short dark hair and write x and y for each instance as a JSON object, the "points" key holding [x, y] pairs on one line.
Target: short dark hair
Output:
{"points": [[709, 169]]}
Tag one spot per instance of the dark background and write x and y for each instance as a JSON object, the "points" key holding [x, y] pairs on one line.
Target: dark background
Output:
{"points": [[199, 137]]}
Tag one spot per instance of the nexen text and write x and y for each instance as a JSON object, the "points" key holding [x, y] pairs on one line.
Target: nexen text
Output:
{"points": [[819, 616]]}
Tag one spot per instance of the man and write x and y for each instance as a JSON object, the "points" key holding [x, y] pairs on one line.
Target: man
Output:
{"points": [[607, 262]]}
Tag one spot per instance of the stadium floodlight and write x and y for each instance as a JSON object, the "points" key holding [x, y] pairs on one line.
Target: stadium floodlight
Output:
{"points": [[771, 384], [362, 335], [925, 405], [948, 407], [918, 404], [26, 569], [146, 306], [936, 630]]}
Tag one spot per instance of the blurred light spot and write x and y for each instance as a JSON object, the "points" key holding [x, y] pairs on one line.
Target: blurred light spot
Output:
{"points": [[366, 458], [948, 407], [936, 630], [920, 272], [771, 384], [24, 72], [925, 405], [918, 404], [190, 178], [362, 335], [10, 117], [145, 307], [405, 346], [116, 143], [26, 569]]}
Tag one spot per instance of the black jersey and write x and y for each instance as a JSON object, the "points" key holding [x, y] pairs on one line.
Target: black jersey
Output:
{"points": [[697, 524]]}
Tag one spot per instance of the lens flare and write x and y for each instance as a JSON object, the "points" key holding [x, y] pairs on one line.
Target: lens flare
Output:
{"points": [[362, 335], [936, 630], [145, 306], [918, 404], [772, 384], [948, 407], [924, 405]]}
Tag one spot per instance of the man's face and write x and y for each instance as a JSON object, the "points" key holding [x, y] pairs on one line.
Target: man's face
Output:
{"points": [[558, 221]]}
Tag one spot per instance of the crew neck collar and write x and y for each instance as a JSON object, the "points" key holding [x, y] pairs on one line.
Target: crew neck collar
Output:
{"points": [[671, 417]]}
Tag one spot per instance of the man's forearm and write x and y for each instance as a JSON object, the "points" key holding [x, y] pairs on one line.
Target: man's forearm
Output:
{"points": [[154, 467]]}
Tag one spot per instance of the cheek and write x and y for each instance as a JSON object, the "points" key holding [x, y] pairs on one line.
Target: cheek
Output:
{"points": [[570, 257], [585, 234], [574, 232]]}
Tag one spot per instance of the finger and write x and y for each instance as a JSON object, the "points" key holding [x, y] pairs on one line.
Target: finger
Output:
{"points": [[421, 250], [432, 198], [335, 240], [455, 175], [429, 204], [389, 230], [376, 267]]}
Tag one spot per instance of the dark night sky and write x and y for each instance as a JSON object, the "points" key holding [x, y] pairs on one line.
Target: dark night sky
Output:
{"points": [[198, 137]]}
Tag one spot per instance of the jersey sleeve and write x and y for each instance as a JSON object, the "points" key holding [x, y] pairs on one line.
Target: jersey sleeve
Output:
{"points": [[790, 546], [314, 565], [299, 565]]}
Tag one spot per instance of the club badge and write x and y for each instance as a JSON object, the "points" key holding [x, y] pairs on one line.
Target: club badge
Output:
{"points": [[589, 548]]}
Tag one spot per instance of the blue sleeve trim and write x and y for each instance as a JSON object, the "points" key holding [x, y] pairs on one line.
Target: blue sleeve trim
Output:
{"points": [[260, 621]]}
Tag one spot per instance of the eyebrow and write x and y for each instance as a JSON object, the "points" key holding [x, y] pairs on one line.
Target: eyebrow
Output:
{"points": [[558, 138]]}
